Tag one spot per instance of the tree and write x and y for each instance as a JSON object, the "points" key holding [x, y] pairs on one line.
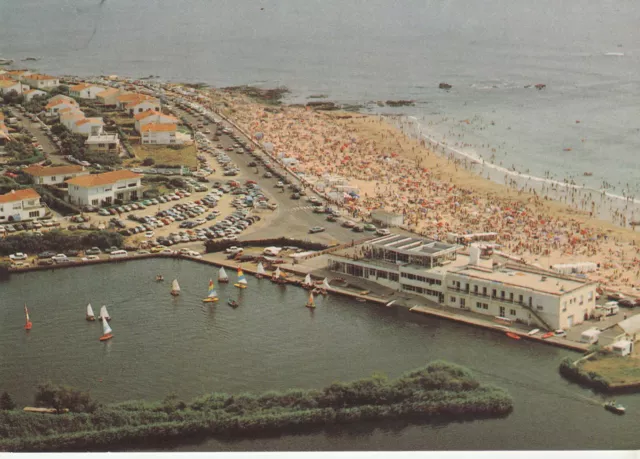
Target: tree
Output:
{"points": [[12, 97], [148, 162], [6, 402], [64, 397]]}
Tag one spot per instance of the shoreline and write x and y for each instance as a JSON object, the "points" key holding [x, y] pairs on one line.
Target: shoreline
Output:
{"points": [[299, 276]]}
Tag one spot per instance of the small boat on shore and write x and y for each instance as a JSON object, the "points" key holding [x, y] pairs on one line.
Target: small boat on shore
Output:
{"points": [[307, 283], [90, 315], [260, 272], [325, 284], [212, 296], [104, 315], [310, 303], [547, 335], [614, 407], [233, 303], [242, 281], [107, 333], [533, 332], [513, 335], [28, 324], [390, 303], [222, 276], [175, 288]]}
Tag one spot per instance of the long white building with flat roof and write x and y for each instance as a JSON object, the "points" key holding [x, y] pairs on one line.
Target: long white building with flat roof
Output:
{"points": [[437, 271]]}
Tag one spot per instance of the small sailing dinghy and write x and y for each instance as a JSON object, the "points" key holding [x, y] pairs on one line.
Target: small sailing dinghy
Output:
{"points": [[28, 324], [212, 296], [260, 272], [104, 314], [308, 283], [310, 303], [232, 303], [242, 281], [276, 275], [175, 288], [325, 284], [107, 333], [90, 315], [222, 276], [614, 407]]}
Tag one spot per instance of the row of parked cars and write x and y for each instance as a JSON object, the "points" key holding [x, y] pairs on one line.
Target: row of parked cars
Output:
{"points": [[26, 226]]}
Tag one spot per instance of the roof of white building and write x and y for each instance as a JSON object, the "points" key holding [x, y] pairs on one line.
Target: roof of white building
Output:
{"points": [[631, 325], [106, 178], [19, 195]]}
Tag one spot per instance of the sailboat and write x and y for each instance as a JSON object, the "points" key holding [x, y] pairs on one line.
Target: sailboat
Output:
{"points": [[28, 324], [308, 283], [310, 303], [276, 275], [212, 296], [90, 315], [175, 288], [106, 331], [260, 272], [242, 281], [104, 314], [222, 276]]}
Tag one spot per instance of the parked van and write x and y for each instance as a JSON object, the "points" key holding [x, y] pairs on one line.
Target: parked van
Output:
{"points": [[590, 336], [118, 254], [610, 308]]}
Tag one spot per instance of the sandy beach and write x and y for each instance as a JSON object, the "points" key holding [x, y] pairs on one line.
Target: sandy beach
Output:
{"points": [[372, 157]]}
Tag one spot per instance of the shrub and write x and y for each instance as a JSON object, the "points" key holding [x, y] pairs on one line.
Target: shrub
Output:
{"points": [[64, 397], [6, 402]]}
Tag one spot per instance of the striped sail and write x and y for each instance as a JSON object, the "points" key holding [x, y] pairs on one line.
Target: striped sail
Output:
{"points": [[241, 278], [212, 290]]}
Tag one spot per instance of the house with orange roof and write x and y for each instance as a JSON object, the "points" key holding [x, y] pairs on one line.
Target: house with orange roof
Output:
{"points": [[37, 81], [12, 85], [142, 105], [108, 97], [31, 93], [128, 97], [85, 90], [105, 189], [71, 100], [88, 126], [159, 134], [54, 106], [69, 116], [19, 205], [53, 175], [153, 116], [18, 74]]}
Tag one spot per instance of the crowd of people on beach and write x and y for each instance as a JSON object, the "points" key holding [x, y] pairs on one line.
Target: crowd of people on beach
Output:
{"points": [[389, 170]]}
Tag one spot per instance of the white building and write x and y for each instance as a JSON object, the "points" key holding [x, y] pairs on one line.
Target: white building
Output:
{"points": [[18, 205], [38, 81], [85, 90], [103, 143], [58, 103], [88, 126], [11, 85], [53, 175], [31, 93], [152, 116], [159, 134], [69, 116], [108, 97], [104, 189], [434, 270], [142, 105]]}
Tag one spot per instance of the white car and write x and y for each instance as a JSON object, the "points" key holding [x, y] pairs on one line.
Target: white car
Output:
{"points": [[149, 234], [167, 252], [234, 250], [230, 238], [18, 256], [194, 254], [383, 232], [60, 258]]}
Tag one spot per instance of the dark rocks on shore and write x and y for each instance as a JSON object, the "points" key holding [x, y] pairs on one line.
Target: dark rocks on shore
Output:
{"points": [[400, 103], [317, 96], [444, 86], [271, 96], [323, 105]]}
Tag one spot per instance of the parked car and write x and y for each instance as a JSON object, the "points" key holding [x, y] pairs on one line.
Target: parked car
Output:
{"points": [[47, 254], [60, 258], [19, 256], [93, 251], [316, 229]]}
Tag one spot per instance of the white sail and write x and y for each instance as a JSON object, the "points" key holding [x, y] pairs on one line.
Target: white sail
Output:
{"points": [[260, 269], [103, 312], [242, 281], [325, 283], [90, 311], [106, 328], [222, 274], [307, 279], [174, 286], [277, 273]]}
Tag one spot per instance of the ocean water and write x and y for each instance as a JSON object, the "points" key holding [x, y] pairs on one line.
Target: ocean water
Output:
{"points": [[587, 53]]}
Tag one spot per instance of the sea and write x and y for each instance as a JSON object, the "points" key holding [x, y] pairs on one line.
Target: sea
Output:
{"points": [[587, 54]]}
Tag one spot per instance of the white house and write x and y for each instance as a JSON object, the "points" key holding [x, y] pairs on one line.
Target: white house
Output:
{"points": [[53, 106], [31, 93], [104, 189], [108, 97], [152, 116], [12, 85], [69, 116], [88, 126], [53, 175], [159, 134], [142, 105], [103, 143], [18, 205], [68, 99], [85, 90], [127, 98], [38, 81]]}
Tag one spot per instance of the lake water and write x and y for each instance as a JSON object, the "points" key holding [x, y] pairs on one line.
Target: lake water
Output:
{"points": [[587, 54], [272, 342]]}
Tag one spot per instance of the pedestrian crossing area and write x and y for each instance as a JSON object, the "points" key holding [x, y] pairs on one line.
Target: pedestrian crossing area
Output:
{"points": [[296, 209]]}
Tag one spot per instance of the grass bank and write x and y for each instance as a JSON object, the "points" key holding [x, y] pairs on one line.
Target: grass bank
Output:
{"points": [[184, 155], [604, 372], [440, 391]]}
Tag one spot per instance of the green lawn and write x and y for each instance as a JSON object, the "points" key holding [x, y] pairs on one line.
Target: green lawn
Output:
{"points": [[616, 370], [168, 155]]}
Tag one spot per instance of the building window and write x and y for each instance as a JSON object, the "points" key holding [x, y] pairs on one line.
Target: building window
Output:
{"points": [[539, 308], [564, 306], [479, 305], [393, 277], [120, 196], [34, 214], [453, 299], [53, 178], [484, 291], [94, 202], [485, 306], [510, 296], [463, 302], [475, 289], [520, 299], [512, 312], [494, 293]]}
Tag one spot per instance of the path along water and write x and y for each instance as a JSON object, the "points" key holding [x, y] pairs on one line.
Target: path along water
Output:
{"points": [[163, 344]]}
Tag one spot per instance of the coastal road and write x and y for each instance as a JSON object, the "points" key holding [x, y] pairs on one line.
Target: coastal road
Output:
{"points": [[34, 128]]}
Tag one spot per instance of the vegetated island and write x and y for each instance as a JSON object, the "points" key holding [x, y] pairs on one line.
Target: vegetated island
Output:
{"points": [[604, 372], [440, 391]]}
